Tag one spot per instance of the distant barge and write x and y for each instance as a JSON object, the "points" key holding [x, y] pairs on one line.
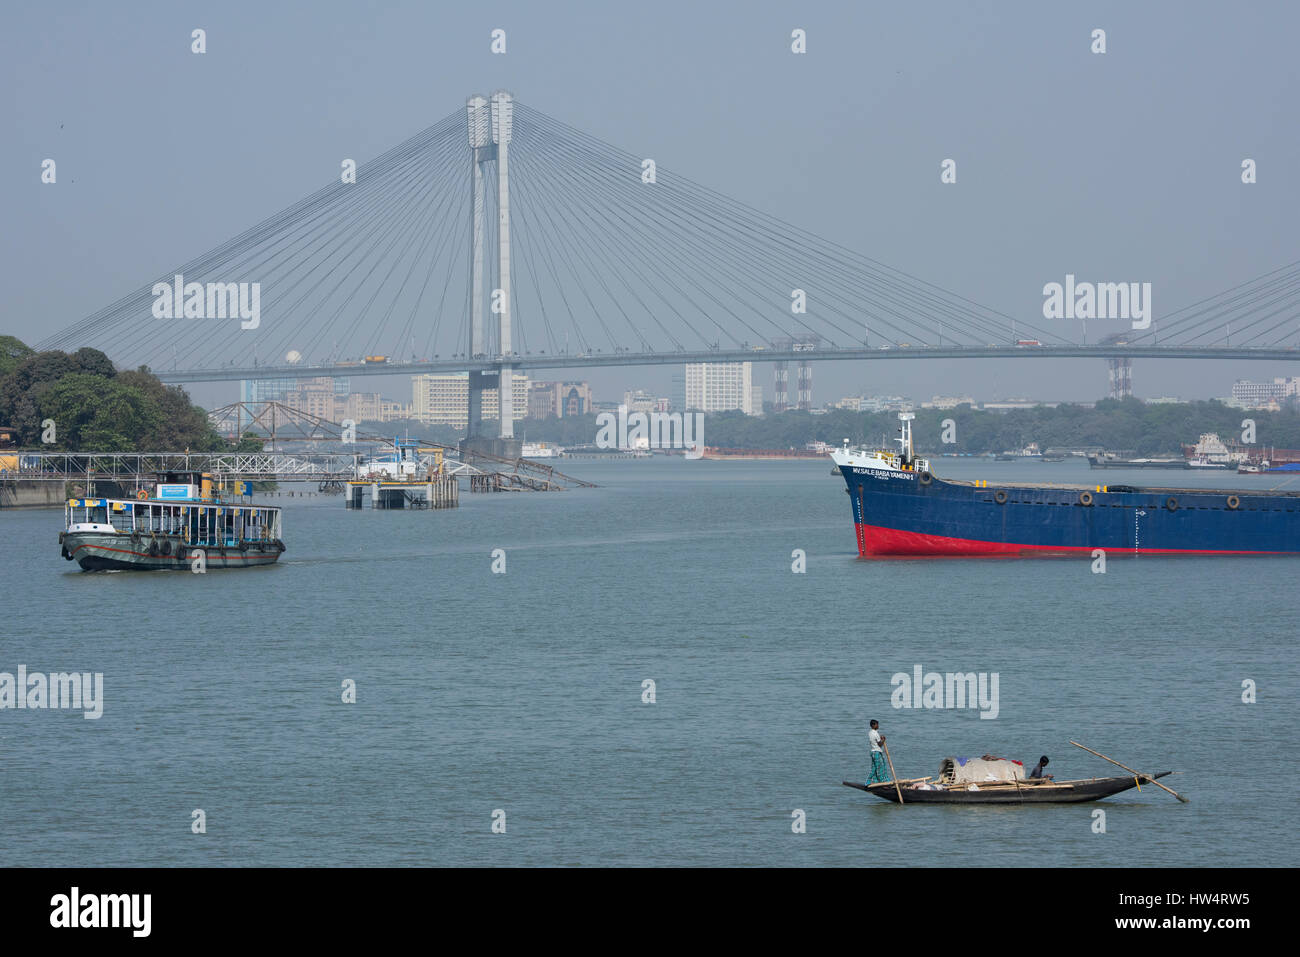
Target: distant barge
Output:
{"points": [[183, 519], [761, 455], [1106, 460]]}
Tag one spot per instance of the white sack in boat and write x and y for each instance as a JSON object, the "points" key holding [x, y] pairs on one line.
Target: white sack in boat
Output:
{"points": [[969, 770]]}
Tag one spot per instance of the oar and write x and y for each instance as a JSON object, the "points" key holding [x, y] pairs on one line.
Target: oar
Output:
{"points": [[897, 786], [1131, 771]]}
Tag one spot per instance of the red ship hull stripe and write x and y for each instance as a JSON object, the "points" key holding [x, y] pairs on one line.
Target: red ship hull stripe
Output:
{"points": [[876, 540]]}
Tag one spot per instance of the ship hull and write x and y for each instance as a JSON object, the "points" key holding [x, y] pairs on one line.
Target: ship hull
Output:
{"points": [[98, 551], [900, 514], [1066, 792]]}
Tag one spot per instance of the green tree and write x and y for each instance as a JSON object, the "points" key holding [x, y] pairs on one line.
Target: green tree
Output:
{"points": [[12, 351], [94, 407], [250, 442], [92, 414]]}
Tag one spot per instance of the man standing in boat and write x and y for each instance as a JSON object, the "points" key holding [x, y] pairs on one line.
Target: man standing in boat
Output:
{"points": [[879, 772]]}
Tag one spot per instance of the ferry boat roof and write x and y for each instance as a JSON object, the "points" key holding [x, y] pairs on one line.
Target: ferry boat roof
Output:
{"points": [[127, 504]]}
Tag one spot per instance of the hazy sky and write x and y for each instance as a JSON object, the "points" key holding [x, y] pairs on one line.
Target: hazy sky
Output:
{"points": [[1116, 167]]}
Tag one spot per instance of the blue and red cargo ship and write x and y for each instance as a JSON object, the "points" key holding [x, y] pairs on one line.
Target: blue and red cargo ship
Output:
{"points": [[901, 508]]}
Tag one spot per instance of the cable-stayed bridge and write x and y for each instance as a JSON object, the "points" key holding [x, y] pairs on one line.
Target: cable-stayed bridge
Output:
{"points": [[501, 238]]}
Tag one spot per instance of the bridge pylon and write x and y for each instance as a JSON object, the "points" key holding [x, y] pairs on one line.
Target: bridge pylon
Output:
{"points": [[490, 123]]}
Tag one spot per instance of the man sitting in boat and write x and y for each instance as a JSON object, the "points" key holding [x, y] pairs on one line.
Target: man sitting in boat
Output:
{"points": [[878, 768], [1037, 772]]}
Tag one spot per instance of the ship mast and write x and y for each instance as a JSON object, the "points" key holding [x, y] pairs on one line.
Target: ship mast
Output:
{"points": [[905, 442]]}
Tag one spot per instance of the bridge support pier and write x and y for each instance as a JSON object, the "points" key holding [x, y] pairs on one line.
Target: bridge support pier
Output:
{"points": [[477, 383]]}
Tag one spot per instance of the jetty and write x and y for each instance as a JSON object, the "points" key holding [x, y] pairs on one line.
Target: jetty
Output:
{"points": [[299, 448]]}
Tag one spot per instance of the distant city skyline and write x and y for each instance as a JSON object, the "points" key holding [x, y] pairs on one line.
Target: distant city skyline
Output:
{"points": [[443, 399]]}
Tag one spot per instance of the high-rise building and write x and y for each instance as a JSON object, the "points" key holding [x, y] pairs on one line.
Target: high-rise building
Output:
{"points": [[317, 402], [678, 394], [444, 399], [720, 387], [280, 390], [558, 399], [266, 390], [360, 407]]}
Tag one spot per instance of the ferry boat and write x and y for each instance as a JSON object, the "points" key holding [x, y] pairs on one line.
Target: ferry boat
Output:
{"points": [[1211, 452], [165, 527], [901, 508], [539, 450]]}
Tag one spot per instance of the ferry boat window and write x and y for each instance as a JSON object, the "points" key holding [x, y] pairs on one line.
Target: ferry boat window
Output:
{"points": [[98, 514]]}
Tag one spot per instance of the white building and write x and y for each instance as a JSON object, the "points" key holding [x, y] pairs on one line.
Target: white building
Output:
{"points": [[885, 403], [1007, 405], [721, 387], [642, 401], [444, 399], [1258, 395], [948, 402]]}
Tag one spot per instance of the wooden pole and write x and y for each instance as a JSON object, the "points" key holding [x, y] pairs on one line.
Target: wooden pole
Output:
{"points": [[897, 786], [1137, 774]]}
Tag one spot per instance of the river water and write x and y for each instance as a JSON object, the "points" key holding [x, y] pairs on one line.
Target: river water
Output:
{"points": [[522, 692]]}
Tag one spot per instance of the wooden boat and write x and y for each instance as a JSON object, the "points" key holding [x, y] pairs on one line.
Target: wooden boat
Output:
{"points": [[1028, 791]]}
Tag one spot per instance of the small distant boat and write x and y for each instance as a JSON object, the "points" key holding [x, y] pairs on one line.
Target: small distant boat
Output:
{"points": [[1030, 451], [994, 780], [1027, 791], [1202, 462], [166, 527]]}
